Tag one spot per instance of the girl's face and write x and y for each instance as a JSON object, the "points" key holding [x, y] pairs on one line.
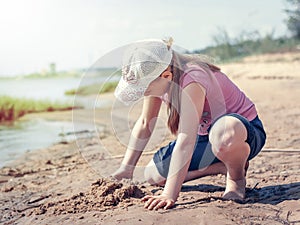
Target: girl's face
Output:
{"points": [[160, 85]]}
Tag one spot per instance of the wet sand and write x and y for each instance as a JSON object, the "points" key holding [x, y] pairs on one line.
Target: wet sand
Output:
{"points": [[66, 184]]}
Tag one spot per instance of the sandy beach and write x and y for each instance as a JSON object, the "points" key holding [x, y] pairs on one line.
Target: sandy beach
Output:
{"points": [[66, 183]]}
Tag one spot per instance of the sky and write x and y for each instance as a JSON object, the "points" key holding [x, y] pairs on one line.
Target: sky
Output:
{"points": [[73, 34]]}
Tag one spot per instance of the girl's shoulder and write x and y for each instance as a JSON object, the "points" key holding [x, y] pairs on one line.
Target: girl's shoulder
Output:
{"points": [[192, 66], [193, 73]]}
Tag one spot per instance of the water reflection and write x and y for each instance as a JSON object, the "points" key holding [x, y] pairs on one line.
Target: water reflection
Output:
{"points": [[34, 134]]}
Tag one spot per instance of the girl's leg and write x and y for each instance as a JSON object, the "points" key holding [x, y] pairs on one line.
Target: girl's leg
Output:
{"points": [[228, 139], [202, 158], [214, 169], [153, 177]]}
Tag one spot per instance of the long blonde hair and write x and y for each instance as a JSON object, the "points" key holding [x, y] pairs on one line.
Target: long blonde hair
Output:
{"points": [[178, 64]]}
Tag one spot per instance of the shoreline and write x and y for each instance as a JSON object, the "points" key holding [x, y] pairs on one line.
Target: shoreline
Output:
{"points": [[60, 125], [55, 185]]}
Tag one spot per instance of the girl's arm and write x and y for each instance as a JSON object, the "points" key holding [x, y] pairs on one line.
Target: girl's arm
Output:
{"points": [[192, 102], [140, 136]]}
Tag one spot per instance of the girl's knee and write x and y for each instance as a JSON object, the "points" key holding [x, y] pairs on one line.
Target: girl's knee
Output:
{"points": [[152, 175], [227, 133]]}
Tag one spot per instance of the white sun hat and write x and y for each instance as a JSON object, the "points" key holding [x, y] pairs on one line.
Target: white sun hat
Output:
{"points": [[143, 61]]}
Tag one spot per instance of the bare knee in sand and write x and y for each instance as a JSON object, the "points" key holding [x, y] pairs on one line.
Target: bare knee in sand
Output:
{"points": [[152, 175]]}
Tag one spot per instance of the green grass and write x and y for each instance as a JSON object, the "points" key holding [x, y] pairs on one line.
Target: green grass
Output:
{"points": [[13, 108], [93, 89]]}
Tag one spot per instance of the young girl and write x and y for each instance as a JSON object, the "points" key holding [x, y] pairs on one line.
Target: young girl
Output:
{"points": [[217, 127]]}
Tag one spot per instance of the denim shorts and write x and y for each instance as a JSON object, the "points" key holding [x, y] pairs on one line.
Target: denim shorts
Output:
{"points": [[203, 155]]}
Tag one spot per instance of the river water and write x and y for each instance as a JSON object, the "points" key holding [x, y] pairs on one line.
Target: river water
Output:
{"points": [[46, 88], [38, 133]]}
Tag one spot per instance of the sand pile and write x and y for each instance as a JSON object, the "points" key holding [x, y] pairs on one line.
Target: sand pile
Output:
{"points": [[103, 194]]}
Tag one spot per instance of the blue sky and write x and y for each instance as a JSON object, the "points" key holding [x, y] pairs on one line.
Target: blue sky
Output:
{"points": [[74, 33]]}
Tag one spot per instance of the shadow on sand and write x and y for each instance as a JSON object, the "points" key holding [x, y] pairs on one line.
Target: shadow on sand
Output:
{"points": [[273, 194]]}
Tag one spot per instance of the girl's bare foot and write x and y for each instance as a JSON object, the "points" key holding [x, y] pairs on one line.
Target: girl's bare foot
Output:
{"points": [[235, 189]]}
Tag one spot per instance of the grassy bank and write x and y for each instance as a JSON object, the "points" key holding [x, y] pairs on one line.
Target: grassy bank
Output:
{"points": [[13, 108], [93, 89]]}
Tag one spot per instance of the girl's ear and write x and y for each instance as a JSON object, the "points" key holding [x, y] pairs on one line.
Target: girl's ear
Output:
{"points": [[167, 75]]}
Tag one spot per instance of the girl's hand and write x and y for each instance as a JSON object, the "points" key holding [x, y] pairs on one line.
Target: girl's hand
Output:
{"points": [[157, 202], [124, 172]]}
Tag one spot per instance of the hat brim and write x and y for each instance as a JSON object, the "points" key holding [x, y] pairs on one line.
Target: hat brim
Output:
{"points": [[129, 93]]}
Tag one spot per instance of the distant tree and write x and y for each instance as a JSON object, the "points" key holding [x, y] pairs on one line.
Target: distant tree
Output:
{"points": [[52, 68], [293, 21]]}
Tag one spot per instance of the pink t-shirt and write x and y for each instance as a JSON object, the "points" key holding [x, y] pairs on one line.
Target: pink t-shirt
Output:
{"points": [[222, 96]]}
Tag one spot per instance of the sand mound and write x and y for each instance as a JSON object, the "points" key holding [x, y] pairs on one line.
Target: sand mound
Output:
{"points": [[103, 194]]}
